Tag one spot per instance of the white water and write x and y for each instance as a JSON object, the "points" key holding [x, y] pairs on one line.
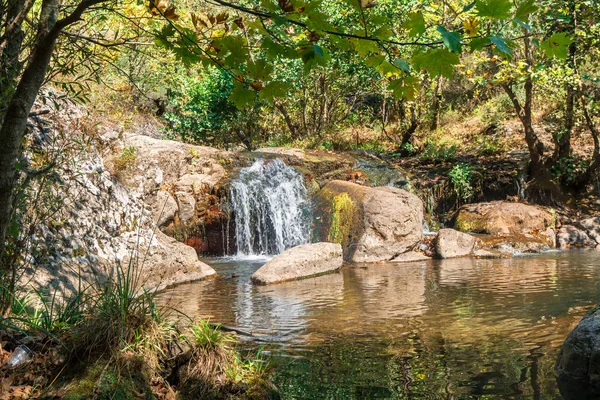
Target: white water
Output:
{"points": [[270, 207]]}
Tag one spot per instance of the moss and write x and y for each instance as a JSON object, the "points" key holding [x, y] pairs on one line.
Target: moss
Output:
{"points": [[342, 216], [470, 222]]}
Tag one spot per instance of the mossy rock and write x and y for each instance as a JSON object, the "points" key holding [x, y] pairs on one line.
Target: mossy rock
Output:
{"points": [[338, 217]]}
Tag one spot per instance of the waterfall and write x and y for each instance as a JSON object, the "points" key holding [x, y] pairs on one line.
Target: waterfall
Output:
{"points": [[270, 206]]}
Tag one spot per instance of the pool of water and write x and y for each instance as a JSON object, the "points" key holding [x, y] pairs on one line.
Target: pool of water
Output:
{"points": [[447, 329]]}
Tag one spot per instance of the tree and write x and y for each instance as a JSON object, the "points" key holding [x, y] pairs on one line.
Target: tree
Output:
{"points": [[246, 38]]}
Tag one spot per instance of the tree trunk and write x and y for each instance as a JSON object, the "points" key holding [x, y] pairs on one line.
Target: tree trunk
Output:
{"points": [[437, 103], [288, 120], [563, 142]]}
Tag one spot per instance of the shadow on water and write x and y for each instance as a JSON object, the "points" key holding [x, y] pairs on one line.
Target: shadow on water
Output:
{"points": [[452, 329]]}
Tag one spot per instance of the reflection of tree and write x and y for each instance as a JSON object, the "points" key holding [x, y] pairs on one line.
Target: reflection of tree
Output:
{"points": [[425, 365]]}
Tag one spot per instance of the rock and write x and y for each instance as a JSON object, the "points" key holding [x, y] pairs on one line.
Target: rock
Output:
{"points": [[371, 224], [491, 254], [451, 243], [300, 262], [170, 263], [578, 363], [187, 206], [592, 227], [504, 218], [570, 236], [100, 223], [411, 256], [165, 208]]}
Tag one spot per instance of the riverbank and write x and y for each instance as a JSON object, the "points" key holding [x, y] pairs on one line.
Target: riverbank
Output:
{"points": [[110, 341]]}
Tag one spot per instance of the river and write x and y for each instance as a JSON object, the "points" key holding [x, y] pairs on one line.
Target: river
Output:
{"points": [[448, 329]]}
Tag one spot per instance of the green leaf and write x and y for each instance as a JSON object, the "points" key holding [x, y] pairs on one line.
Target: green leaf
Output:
{"points": [[479, 43], [317, 21], [388, 69], [452, 40], [415, 24], [240, 96], [374, 61], [272, 90], [402, 64], [556, 45], [383, 33], [268, 5], [364, 47], [525, 9], [259, 70], [406, 87], [468, 7], [437, 62], [501, 45], [496, 9], [522, 24]]}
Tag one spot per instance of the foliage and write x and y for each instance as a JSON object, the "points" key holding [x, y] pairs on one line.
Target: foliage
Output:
{"points": [[201, 112], [438, 150], [460, 177], [567, 169]]}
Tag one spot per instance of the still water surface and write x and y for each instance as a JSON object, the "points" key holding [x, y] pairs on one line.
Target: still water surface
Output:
{"points": [[451, 329]]}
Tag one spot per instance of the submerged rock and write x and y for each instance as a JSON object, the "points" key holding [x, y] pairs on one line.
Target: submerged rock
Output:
{"points": [[451, 243], [411, 256], [578, 364], [504, 219], [300, 262], [371, 224]]}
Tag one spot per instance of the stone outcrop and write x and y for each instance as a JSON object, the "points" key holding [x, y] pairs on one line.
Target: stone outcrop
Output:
{"points": [[508, 219], [177, 180], [98, 224], [300, 262], [371, 224], [578, 363], [451, 243]]}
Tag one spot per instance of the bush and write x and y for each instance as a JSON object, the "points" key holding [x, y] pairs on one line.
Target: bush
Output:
{"points": [[438, 150], [460, 177], [201, 112]]}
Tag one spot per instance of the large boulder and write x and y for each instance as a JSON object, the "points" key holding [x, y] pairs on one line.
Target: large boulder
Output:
{"points": [[371, 224], [300, 262], [451, 243], [508, 219], [578, 364]]}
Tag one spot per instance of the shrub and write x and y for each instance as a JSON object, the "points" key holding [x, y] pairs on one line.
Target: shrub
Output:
{"points": [[460, 177]]}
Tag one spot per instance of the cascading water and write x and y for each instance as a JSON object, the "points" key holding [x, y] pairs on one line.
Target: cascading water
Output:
{"points": [[271, 211]]}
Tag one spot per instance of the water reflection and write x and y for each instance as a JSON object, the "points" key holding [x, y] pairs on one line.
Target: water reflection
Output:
{"points": [[441, 329]]}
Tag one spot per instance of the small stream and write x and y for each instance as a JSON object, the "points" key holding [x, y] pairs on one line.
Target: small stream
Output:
{"points": [[451, 329]]}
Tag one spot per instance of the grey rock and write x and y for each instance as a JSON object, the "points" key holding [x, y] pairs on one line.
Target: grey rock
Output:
{"points": [[570, 236], [578, 364], [187, 206], [300, 262], [451, 243]]}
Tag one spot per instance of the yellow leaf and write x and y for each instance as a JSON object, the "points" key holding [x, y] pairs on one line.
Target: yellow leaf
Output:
{"points": [[471, 26]]}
